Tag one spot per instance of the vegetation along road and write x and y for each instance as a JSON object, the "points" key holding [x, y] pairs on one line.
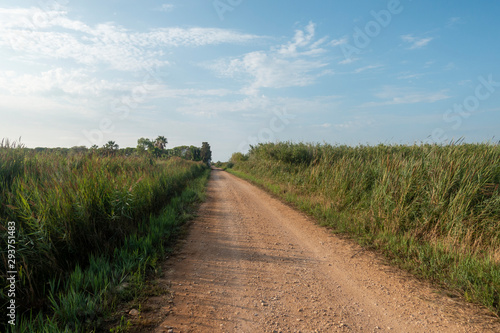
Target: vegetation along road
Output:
{"points": [[253, 264]]}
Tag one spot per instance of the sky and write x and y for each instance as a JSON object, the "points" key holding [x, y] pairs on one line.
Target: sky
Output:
{"points": [[235, 73]]}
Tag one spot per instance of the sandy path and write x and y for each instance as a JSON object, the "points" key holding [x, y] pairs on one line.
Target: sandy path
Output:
{"points": [[253, 264]]}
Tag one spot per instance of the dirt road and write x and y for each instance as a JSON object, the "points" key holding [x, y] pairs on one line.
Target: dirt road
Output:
{"points": [[253, 264]]}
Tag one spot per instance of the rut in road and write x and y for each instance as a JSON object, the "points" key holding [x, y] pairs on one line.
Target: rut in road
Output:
{"points": [[253, 264]]}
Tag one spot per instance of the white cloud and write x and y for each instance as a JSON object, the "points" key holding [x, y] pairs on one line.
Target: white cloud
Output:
{"points": [[212, 107], [167, 7], [303, 44], [175, 37], [450, 66], [365, 68], [355, 124], [409, 76], [338, 42], [179, 93], [69, 61], [72, 82], [429, 63], [397, 95], [294, 64], [254, 106], [464, 82], [28, 18], [416, 43], [46, 108], [452, 21], [348, 61], [38, 34]]}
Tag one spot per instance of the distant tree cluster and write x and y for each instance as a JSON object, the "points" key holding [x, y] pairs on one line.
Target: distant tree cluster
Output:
{"points": [[192, 153], [155, 148]]}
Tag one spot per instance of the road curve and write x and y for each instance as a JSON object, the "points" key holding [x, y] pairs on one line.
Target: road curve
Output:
{"points": [[253, 264]]}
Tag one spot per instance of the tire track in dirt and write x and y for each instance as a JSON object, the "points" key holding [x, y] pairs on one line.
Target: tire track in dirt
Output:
{"points": [[253, 264]]}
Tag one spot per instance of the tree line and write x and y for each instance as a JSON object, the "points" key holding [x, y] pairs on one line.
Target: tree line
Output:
{"points": [[152, 147]]}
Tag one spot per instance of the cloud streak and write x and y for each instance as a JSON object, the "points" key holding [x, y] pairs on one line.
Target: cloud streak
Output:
{"points": [[397, 95], [76, 82], [416, 42], [366, 68], [166, 7]]}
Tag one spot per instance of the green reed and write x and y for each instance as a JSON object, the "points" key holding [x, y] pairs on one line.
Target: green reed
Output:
{"points": [[434, 210], [70, 209]]}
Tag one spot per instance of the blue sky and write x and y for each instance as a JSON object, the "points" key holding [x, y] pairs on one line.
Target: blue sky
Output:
{"points": [[238, 72]]}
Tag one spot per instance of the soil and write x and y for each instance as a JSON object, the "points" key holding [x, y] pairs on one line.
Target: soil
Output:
{"points": [[253, 264]]}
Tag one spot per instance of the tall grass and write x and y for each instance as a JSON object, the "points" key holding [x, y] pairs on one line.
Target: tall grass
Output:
{"points": [[433, 209], [70, 210]]}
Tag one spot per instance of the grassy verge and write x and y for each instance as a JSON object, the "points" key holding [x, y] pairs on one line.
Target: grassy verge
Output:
{"points": [[85, 225], [133, 296], [89, 293], [433, 210]]}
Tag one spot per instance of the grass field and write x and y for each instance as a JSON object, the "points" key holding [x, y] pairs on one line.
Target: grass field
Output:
{"points": [[84, 224], [434, 210]]}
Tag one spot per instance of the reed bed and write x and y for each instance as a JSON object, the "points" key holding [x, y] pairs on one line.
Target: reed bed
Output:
{"points": [[72, 213], [434, 210]]}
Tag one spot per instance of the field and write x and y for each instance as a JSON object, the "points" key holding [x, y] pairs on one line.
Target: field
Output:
{"points": [[87, 229], [433, 210]]}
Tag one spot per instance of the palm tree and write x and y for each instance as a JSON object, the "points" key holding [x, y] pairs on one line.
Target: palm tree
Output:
{"points": [[111, 145], [161, 142]]}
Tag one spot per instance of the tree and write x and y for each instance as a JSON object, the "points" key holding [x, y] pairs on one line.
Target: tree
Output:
{"points": [[206, 153], [238, 158], [110, 146], [127, 151], [78, 150], [161, 142], [194, 153], [144, 144]]}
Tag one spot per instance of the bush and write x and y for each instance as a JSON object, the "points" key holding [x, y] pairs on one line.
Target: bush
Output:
{"points": [[238, 158]]}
